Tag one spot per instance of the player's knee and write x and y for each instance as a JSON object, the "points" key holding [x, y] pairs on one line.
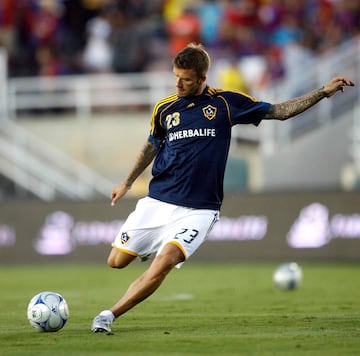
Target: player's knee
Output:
{"points": [[113, 263], [164, 263], [170, 257], [118, 259]]}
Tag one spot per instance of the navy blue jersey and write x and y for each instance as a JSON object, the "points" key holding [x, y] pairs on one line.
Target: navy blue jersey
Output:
{"points": [[192, 138]]}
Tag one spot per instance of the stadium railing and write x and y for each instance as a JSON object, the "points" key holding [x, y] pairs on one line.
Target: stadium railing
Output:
{"points": [[86, 93], [45, 171], [344, 60]]}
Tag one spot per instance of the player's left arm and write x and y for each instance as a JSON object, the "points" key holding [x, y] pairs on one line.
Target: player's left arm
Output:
{"points": [[145, 157], [293, 107]]}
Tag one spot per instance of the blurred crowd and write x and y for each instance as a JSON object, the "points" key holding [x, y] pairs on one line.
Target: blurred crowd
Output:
{"points": [[57, 37]]}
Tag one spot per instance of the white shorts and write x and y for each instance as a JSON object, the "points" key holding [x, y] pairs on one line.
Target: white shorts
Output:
{"points": [[153, 224]]}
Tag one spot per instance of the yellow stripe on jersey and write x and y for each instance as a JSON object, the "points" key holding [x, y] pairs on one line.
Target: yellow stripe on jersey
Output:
{"points": [[213, 91], [167, 100], [249, 97], [227, 108]]}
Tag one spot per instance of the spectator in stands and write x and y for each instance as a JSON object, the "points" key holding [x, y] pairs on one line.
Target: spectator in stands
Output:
{"points": [[287, 32], [210, 13], [183, 29], [174, 8], [7, 25], [239, 27], [46, 23], [129, 45], [49, 61], [38, 24], [98, 52], [231, 78], [347, 14]]}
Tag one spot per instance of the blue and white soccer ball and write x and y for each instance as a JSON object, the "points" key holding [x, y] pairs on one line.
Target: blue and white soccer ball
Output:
{"points": [[288, 276], [48, 311]]}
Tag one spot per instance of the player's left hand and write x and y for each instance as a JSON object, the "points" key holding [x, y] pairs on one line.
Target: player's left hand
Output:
{"points": [[337, 84]]}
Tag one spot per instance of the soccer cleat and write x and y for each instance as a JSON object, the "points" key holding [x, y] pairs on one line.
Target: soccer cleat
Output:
{"points": [[101, 324]]}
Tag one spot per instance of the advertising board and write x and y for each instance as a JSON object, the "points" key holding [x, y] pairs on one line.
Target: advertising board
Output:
{"points": [[260, 227]]}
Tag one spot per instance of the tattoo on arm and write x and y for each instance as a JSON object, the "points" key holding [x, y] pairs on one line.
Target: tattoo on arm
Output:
{"points": [[144, 158], [292, 107]]}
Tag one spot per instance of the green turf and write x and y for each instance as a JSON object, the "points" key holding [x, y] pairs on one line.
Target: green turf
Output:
{"points": [[200, 309]]}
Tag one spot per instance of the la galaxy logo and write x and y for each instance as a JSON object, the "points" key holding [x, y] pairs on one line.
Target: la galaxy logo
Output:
{"points": [[124, 238], [209, 112]]}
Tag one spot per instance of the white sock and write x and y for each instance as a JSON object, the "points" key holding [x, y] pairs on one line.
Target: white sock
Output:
{"points": [[108, 314]]}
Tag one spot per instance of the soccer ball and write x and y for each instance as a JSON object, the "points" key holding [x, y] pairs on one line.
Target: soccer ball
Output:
{"points": [[288, 276], [47, 311]]}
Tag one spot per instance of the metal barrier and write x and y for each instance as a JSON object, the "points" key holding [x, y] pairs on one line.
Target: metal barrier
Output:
{"points": [[344, 60], [86, 93], [3, 84], [45, 171]]}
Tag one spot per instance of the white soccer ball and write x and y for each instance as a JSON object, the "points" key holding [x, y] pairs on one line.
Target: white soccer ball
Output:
{"points": [[48, 311], [288, 276]]}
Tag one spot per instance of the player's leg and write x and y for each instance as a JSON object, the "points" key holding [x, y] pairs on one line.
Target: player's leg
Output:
{"points": [[185, 231], [150, 280], [141, 288], [119, 259]]}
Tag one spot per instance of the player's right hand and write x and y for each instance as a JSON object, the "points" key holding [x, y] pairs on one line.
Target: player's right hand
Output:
{"points": [[118, 192]]}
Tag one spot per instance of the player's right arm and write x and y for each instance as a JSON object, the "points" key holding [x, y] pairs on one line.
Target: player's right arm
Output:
{"points": [[145, 157]]}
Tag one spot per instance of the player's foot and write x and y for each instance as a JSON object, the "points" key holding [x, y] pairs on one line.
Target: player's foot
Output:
{"points": [[101, 324]]}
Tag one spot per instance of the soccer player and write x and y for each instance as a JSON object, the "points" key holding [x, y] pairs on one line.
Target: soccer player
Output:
{"points": [[189, 140]]}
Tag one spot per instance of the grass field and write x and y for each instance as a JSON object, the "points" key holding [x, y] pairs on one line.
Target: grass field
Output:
{"points": [[215, 309]]}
